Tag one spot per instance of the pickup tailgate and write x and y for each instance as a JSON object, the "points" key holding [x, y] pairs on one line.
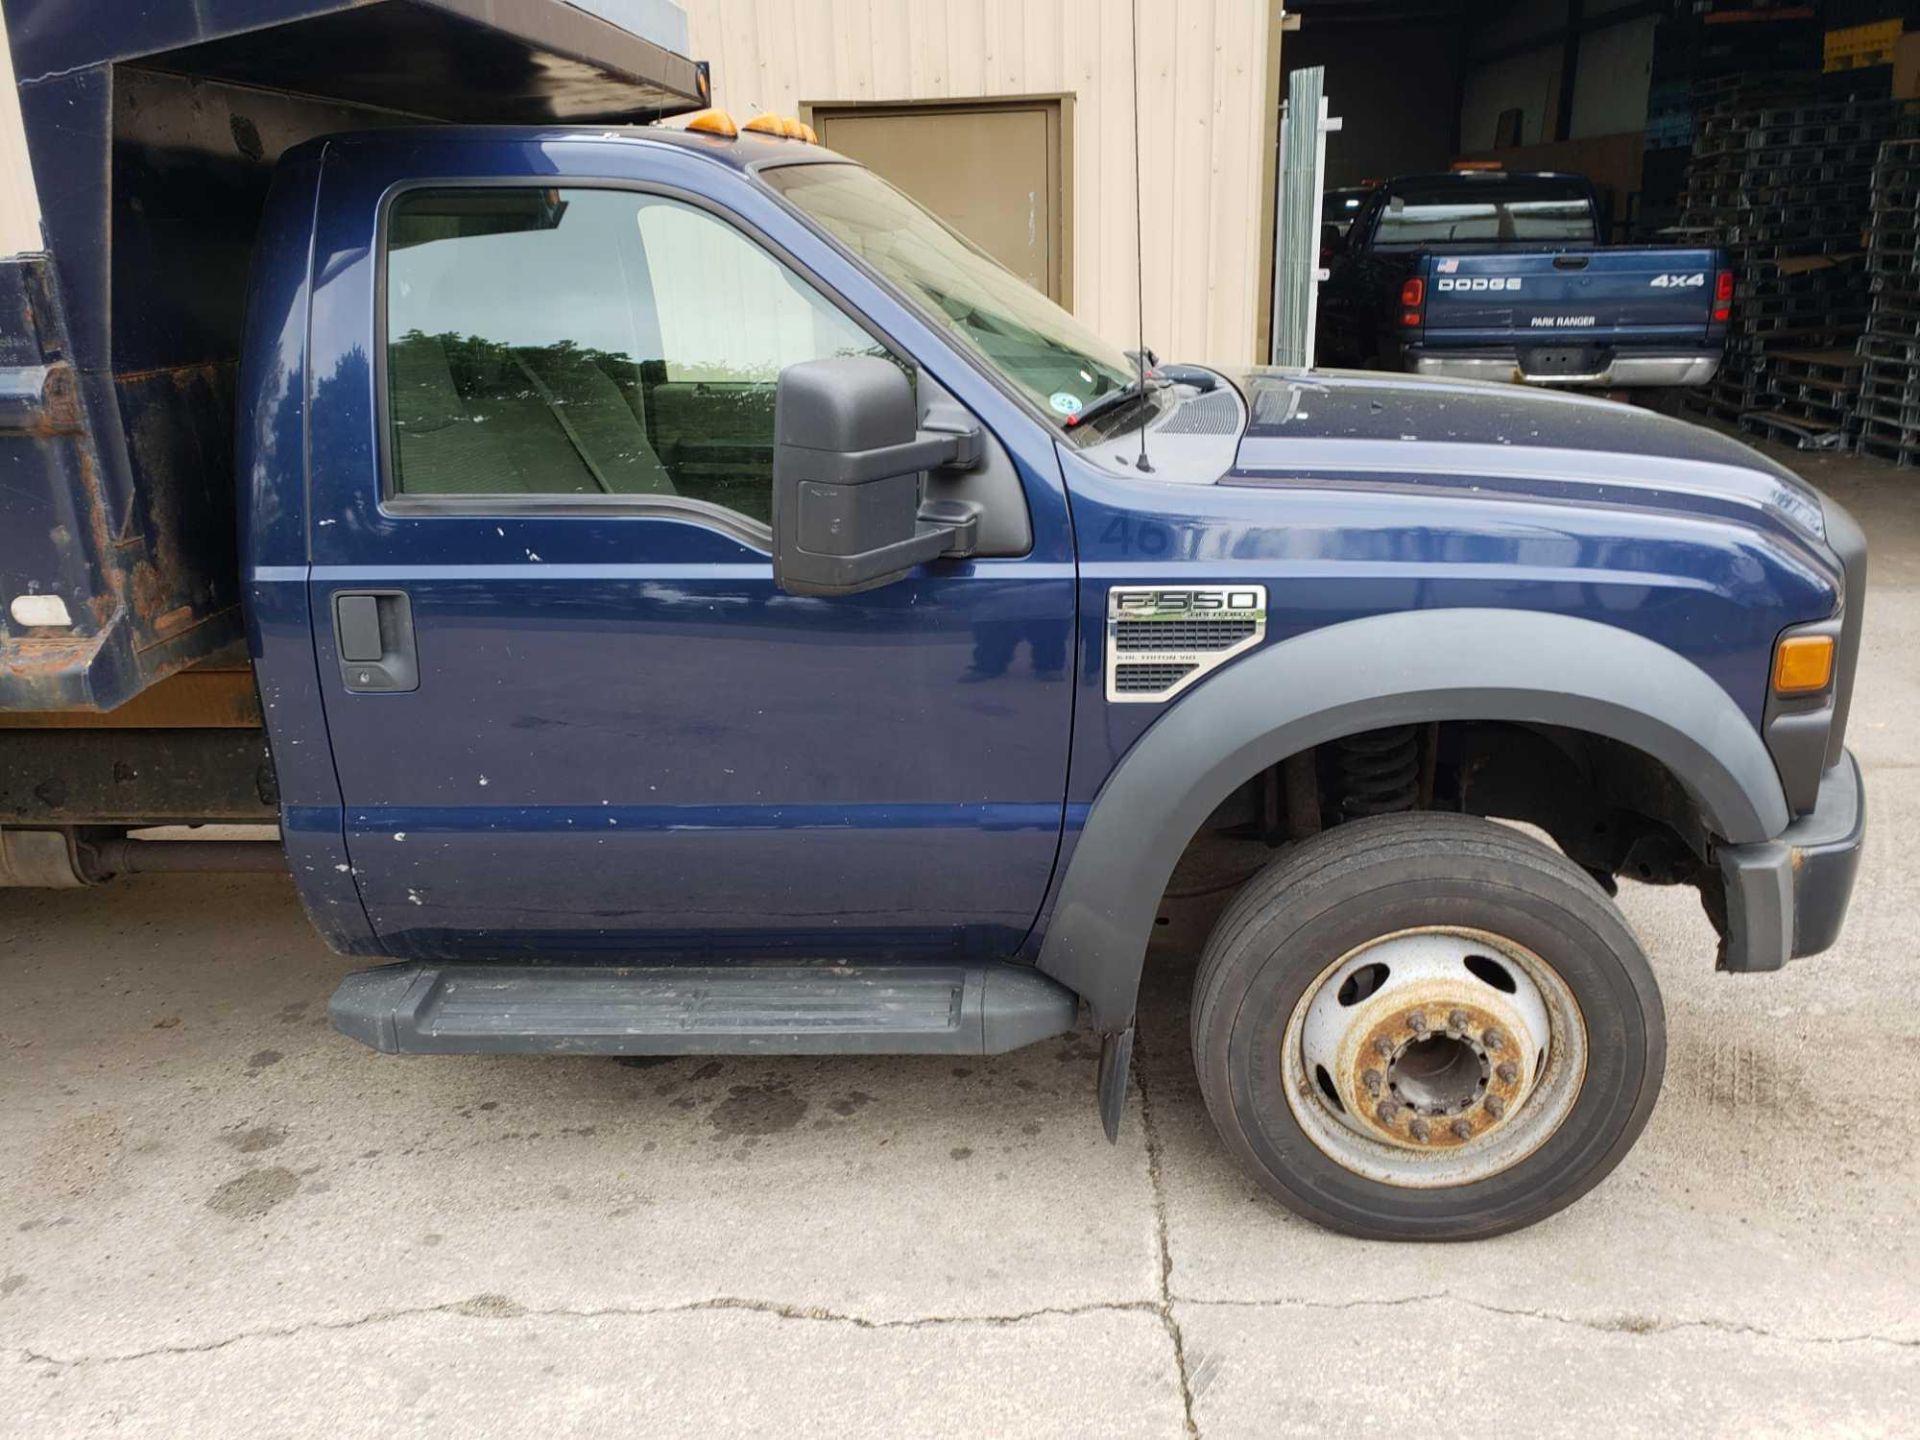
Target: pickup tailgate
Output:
{"points": [[1629, 295]]}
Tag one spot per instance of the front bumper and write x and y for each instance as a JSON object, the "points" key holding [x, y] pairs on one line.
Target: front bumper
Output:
{"points": [[1618, 372], [1787, 897]]}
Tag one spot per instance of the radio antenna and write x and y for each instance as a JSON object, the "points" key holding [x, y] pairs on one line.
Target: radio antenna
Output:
{"points": [[1139, 255]]}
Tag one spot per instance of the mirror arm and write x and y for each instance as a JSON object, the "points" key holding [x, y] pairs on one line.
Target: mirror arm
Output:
{"points": [[929, 450], [968, 446], [945, 529], [958, 521]]}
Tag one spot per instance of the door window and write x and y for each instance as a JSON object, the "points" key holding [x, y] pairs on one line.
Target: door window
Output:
{"points": [[590, 342]]}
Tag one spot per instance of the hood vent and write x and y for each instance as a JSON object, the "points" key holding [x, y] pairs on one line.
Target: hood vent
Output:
{"points": [[1214, 414]]}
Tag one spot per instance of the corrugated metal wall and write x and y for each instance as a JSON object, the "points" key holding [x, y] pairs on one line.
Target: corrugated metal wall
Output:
{"points": [[1209, 78]]}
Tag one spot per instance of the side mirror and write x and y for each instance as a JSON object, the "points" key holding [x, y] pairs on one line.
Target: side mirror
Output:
{"points": [[849, 458]]}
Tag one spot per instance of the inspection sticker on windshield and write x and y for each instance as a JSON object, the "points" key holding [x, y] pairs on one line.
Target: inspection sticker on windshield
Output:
{"points": [[1065, 403]]}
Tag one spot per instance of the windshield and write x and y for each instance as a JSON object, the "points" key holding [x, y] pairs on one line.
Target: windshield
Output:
{"points": [[1047, 354], [1469, 209]]}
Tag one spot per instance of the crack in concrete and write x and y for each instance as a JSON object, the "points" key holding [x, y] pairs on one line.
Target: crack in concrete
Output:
{"points": [[499, 1307], [496, 1307], [1156, 1179], [1633, 1325]]}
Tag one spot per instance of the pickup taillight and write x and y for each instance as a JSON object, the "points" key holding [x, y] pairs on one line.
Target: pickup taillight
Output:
{"points": [[1722, 297], [1413, 295]]}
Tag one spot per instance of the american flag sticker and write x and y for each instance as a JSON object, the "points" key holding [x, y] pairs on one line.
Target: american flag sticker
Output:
{"points": [[1446, 267]]}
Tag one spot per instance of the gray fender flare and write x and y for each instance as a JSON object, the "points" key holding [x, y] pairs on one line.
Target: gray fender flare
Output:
{"points": [[1414, 666]]}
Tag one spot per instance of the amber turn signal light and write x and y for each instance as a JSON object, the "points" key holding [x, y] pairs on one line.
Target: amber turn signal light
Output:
{"points": [[1802, 664]]}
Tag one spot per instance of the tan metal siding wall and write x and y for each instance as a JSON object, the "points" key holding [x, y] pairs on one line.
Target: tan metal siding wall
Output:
{"points": [[19, 202], [1208, 90]]}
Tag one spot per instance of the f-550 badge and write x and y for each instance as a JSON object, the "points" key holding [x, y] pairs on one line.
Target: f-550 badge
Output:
{"points": [[1161, 639], [1677, 282]]}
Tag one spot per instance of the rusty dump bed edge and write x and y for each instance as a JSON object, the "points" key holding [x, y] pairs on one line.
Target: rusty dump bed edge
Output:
{"points": [[120, 345]]}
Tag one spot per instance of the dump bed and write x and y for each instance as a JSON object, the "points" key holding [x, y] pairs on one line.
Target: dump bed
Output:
{"points": [[152, 131]]}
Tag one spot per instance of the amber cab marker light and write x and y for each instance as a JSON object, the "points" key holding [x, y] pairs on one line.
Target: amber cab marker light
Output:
{"points": [[1802, 664], [768, 123], [715, 122]]}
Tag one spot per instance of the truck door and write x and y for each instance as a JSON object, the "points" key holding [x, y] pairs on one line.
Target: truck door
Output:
{"points": [[1349, 305], [569, 710]]}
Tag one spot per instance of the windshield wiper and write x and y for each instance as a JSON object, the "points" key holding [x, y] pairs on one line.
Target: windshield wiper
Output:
{"points": [[1104, 405]]}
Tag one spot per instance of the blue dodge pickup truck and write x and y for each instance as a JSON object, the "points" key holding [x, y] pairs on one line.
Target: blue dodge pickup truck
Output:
{"points": [[1486, 274], [700, 604]]}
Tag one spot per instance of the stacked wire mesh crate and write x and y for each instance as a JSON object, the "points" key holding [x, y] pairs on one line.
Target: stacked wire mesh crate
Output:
{"points": [[1887, 416], [1781, 179]]}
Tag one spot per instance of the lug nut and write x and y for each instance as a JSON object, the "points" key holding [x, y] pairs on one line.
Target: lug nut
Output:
{"points": [[1457, 1020], [1417, 1022], [1461, 1129], [1371, 1079], [1493, 1039], [1383, 1046], [1420, 1130], [1495, 1106], [1387, 1111], [1508, 1071]]}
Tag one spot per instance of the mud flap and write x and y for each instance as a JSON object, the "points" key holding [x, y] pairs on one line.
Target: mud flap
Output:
{"points": [[1116, 1055]]}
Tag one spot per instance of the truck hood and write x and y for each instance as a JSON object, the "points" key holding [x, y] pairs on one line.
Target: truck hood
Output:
{"points": [[1385, 430]]}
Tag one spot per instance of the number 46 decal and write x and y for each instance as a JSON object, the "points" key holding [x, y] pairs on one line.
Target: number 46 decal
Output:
{"points": [[1675, 282]]}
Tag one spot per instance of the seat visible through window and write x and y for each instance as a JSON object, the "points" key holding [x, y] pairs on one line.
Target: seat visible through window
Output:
{"points": [[590, 342]]}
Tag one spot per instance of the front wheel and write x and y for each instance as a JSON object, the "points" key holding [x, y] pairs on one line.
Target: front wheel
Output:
{"points": [[1426, 1027]]}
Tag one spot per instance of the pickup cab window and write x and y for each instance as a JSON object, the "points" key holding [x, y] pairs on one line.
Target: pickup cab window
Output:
{"points": [[590, 342], [1490, 209]]}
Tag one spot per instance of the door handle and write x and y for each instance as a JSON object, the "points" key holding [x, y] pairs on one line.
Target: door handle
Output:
{"points": [[373, 638]]}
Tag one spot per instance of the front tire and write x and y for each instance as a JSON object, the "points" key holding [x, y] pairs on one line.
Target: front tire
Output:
{"points": [[1426, 1027]]}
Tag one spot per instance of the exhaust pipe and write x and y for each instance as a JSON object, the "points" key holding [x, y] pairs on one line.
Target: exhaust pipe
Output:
{"points": [[104, 858]]}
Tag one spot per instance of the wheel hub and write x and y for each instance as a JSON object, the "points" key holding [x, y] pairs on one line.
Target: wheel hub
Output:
{"points": [[1461, 1079], [1425, 1041], [1440, 1075]]}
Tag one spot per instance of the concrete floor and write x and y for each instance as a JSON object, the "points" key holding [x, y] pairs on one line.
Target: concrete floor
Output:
{"points": [[217, 1217]]}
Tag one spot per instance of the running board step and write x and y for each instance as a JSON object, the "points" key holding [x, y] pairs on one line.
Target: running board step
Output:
{"points": [[766, 1009]]}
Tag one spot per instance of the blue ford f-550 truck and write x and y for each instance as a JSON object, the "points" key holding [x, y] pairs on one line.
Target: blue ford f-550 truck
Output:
{"points": [[700, 604], [1487, 274]]}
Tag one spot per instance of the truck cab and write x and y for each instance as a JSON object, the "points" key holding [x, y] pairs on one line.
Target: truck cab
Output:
{"points": [[563, 699], [701, 603]]}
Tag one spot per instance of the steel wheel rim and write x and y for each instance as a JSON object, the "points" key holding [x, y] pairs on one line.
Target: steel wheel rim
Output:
{"points": [[1408, 1065]]}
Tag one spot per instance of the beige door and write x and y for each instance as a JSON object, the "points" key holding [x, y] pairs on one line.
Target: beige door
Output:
{"points": [[992, 171]]}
